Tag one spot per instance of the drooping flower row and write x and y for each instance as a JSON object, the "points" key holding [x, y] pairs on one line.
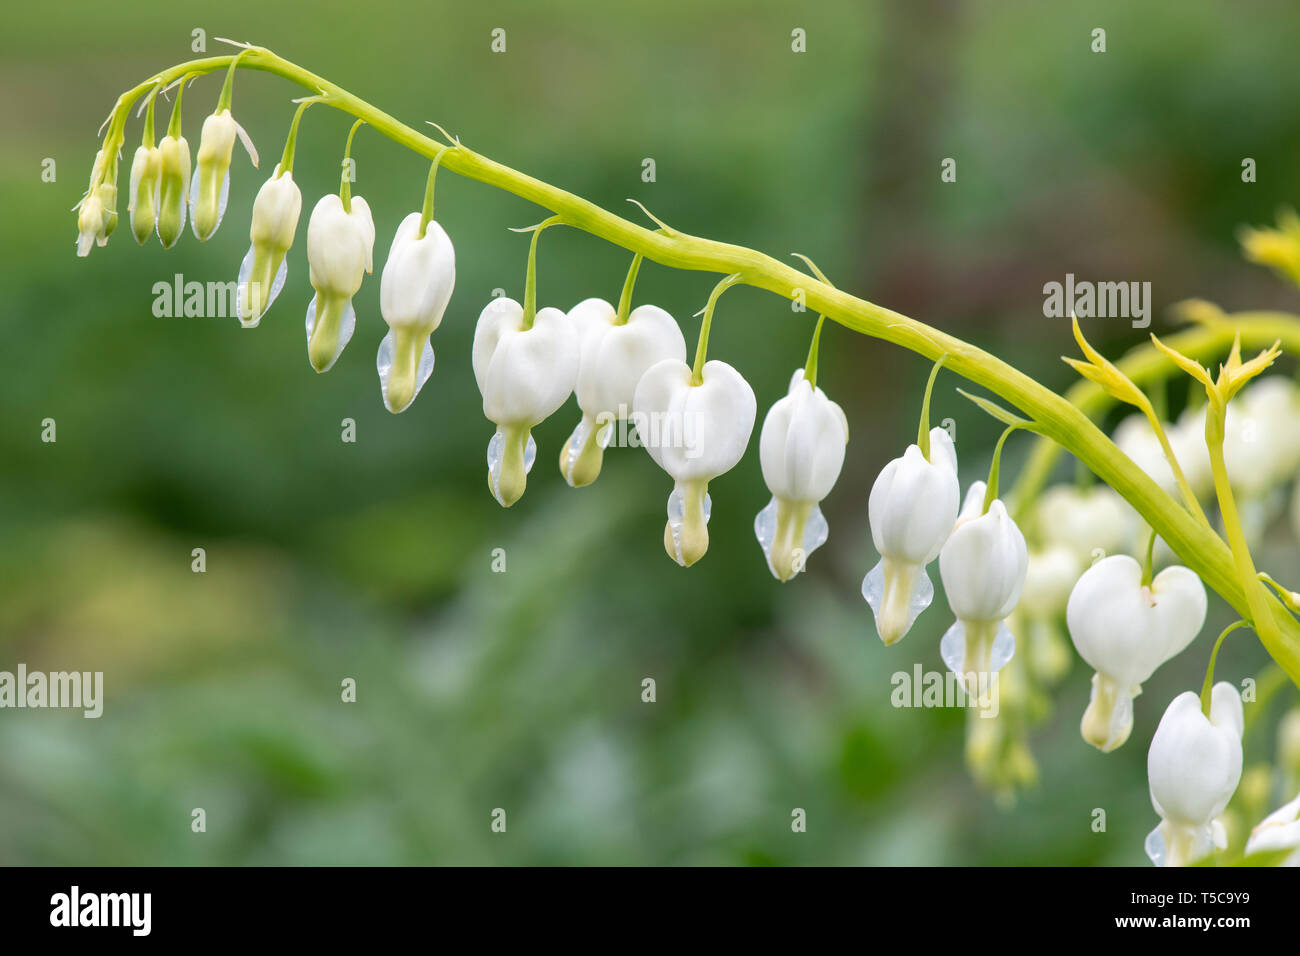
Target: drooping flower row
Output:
{"points": [[696, 420]]}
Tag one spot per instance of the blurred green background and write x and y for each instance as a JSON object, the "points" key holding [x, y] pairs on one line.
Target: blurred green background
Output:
{"points": [[522, 690]]}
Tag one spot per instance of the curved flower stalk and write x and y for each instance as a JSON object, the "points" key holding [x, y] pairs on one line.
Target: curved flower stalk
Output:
{"points": [[912, 508], [525, 363], [983, 566], [1193, 769], [1278, 831], [414, 290], [617, 347], [1056, 417], [1125, 624], [801, 450], [340, 249], [210, 189], [695, 423]]}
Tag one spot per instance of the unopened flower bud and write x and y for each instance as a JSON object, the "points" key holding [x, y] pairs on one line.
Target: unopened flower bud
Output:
{"points": [[146, 174], [275, 220], [340, 245], [801, 450], [174, 188], [414, 290]]}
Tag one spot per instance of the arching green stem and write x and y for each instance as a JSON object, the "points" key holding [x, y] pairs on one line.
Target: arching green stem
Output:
{"points": [[702, 344], [1208, 686], [1056, 417]]}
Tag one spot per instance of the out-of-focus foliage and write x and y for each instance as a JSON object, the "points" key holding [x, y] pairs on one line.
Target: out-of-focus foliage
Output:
{"points": [[522, 690]]}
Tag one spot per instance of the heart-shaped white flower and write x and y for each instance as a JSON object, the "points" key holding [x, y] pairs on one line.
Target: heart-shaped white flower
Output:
{"points": [[801, 450], [1124, 631], [524, 375], [694, 432], [614, 356]]}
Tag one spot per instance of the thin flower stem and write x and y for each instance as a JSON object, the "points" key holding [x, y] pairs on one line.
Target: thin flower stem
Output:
{"points": [[147, 136], [1056, 417], [345, 185], [1208, 686], [991, 486], [426, 211], [923, 428], [291, 142], [1256, 594], [1184, 486], [810, 364], [702, 344], [530, 278], [625, 299], [1149, 562]]}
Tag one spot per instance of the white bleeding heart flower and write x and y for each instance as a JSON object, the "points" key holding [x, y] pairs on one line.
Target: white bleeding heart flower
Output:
{"points": [[1124, 630], [694, 432], [210, 187], [1280, 830], [340, 250], [146, 176], [1085, 520], [275, 220], [912, 509], [801, 450], [1193, 769], [414, 290], [983, 566], [525, 373], [614, 356]]}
